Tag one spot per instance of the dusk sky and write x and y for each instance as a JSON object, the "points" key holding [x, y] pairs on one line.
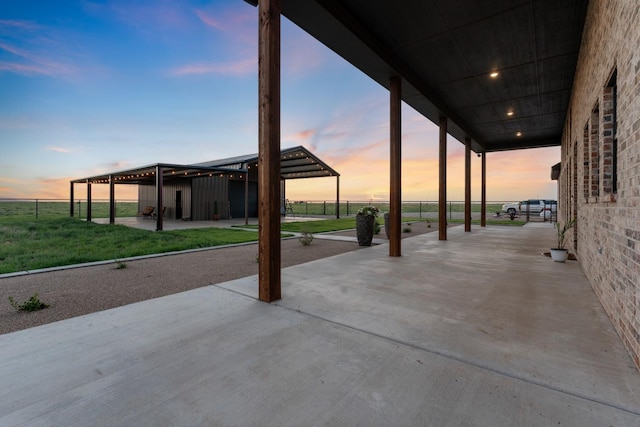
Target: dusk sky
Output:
{"points": [[88, 87]]}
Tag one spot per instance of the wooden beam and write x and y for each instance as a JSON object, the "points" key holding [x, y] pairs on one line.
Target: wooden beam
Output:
{"points": [[71, 207], [159, 201], [483, 197], [112, 200], [442, 185], [467, 184], [246, 197], [338, 197], [395, 167], [88, 201], [269, 251]]}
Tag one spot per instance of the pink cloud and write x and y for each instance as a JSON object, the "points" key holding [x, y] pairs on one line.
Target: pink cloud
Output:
{"points": [[143, 17], [21, 25], [209, 20], [237, 68], [59, 149], [30, 62], [302, 136]]}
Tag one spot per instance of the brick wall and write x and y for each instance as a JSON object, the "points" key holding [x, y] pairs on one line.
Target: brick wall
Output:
{"points": [[607, 238]]}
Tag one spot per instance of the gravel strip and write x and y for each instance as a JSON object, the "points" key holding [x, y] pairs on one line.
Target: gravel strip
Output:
{"points": [[84, 290]]}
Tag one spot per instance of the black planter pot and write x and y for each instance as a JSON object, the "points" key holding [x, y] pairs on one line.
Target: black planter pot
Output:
{"points": [[364, 229]]}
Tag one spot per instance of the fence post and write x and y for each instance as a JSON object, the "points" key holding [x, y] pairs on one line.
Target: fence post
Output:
{"points": [[306, 207], [79, 211], [420, 209], [450, 212], [347, 208], [36, 208], [324, 207]]}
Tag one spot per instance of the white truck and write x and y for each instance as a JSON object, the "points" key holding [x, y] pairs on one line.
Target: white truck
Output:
{"points": [[511, 208]]}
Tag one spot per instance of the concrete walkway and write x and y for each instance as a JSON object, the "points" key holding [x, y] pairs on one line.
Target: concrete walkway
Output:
{"points": [[479, 330]]}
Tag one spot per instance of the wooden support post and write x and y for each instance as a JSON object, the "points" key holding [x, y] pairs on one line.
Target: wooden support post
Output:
{"points": [[159, 201], [483, 197], [88, 201], [112, 200], [71, 207], [467, 184], [269, 151], [246, 197], [338, 197], [442, 186], [395, 168]]}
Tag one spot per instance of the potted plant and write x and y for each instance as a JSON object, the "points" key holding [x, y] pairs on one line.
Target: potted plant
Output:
{"points": [[216, 216], [365, 219], [559, 253]]}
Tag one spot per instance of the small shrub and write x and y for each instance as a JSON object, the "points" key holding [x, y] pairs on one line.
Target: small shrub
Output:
{"points": [[428, 223], [306, 238], [376, 228], [120, 265], [407, 229], [32, 304]]}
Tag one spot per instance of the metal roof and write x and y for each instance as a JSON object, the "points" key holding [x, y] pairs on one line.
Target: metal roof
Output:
{"points": [[296, 162], [147, 174], [446, 50]]}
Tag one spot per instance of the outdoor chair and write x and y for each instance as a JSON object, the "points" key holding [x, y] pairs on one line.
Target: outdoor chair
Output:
{"points": [[148, 212]]}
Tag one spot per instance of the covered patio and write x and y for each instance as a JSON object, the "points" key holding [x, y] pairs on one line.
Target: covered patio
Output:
{"points": [[477, 330]]}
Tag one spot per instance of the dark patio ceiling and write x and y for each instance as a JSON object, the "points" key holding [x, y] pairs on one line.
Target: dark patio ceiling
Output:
{"points": [[445, 51]]}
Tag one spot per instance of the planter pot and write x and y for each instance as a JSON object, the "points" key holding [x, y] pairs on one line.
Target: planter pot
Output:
{"points": [[559, 255], [364, 229]]}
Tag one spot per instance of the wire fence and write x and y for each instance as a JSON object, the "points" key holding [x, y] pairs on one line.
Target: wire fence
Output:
{"points": [[58, 208]]}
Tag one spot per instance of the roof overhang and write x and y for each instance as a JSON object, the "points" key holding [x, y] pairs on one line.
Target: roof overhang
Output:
{"points": [[146, 175], [445, 52], [295, 163], [555, 171]]}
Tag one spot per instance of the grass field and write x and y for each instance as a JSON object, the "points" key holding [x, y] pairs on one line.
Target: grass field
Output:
{"points": [[54, 239], [33, 244]]}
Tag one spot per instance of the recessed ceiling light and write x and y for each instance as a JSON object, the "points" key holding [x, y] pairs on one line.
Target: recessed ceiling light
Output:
{"points": [[509, 113], [518, 133], [494, 74]]}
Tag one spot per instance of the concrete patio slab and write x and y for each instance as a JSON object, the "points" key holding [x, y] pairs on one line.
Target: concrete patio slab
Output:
{"points": [[431, 338]]}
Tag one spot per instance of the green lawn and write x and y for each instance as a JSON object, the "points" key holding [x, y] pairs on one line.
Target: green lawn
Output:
{"points": [[33, 244]]}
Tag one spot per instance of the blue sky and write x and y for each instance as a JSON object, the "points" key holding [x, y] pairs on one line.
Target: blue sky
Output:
{"points": [[88, 87]]}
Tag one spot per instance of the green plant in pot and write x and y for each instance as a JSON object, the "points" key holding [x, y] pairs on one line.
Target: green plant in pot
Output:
{"points": [[559, 253]]}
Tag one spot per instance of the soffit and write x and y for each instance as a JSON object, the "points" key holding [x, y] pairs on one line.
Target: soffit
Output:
{"points": [[445, 50]]}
